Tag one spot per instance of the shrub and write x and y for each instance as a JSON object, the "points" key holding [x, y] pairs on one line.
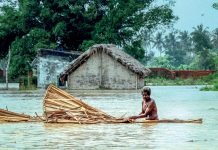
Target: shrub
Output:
{"points": [[27, 83]]}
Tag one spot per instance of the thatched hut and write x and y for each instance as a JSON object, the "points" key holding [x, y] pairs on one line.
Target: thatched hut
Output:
{"points": [[104, 66]]}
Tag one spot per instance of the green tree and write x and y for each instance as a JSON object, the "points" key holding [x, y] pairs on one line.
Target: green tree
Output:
{"points": [[159, 43], [214, 52], [173, 50], [215, 5], [147, 41], [161, 62], [202, 47], [184, 40], [78, 25], [24, 51], [10, 27], [125, 18], [215, 40], [185, 45], [136, 50]]}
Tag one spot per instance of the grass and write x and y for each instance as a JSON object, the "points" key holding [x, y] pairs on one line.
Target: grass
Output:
{"points": [[30, 87], [213, 87], [28, 83], [213, 81]]}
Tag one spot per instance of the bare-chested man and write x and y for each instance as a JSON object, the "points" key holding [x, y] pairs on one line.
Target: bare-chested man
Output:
{"points": [[149, 108]]}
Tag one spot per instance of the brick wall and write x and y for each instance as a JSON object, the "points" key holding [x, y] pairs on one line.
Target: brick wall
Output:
{"points": [[192, 73], [172, 74], [162, 72]]}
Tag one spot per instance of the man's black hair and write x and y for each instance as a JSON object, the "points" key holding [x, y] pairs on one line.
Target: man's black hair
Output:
{"points": [[147, 90]]}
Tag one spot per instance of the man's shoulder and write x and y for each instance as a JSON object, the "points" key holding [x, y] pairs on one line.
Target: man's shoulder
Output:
{"points": [[152, 100]]}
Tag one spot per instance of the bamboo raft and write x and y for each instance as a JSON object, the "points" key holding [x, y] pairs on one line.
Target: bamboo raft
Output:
{"points": [[61, 107], [9, 116]]}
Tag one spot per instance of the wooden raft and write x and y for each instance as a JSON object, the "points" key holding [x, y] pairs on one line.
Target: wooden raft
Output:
{"points": [[61, 107], [9, 116]]}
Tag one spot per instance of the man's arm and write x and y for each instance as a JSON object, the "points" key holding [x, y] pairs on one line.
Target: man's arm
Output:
{"points": [[142, 109], [144, 114]]}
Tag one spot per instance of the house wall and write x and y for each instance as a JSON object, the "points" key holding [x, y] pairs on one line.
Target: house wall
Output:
{"points": [[102, 71], [48, 70], [87, 76]]}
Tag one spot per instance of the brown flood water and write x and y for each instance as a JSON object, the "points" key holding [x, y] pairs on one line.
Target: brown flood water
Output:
{"points": [[183, 102]]}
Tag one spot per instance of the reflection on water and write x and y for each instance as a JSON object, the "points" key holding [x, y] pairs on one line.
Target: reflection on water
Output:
{"points": [[173, 102]]}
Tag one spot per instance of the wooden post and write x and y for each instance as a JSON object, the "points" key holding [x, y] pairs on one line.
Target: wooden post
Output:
{"points": [[101, 53], [28, 79], [136, 82], [7, 68], [6, 75]]}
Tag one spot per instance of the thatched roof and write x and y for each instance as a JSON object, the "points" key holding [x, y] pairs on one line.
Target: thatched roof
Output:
{"points": [[110, 49]]}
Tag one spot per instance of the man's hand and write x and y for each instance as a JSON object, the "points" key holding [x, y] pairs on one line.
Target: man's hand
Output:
{"points": [[131, 119]]}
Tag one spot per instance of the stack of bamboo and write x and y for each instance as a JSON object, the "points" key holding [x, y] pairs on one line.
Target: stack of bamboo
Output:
{"points": [[8, 116], [61, 107]]}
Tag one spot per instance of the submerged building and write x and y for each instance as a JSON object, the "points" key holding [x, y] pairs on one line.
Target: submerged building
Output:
{"points": [[49, 63], [104, 66]]}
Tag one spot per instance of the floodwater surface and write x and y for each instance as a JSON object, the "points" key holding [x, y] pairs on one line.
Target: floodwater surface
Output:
{"points": [[182, 102]]}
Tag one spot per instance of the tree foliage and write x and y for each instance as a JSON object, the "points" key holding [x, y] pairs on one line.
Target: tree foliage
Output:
{"points": [[197, 50], [201, 39], [24, 51], [32, 24], [215, 40], [215, 5], [202, 46], [159, 42], [174, 50]]}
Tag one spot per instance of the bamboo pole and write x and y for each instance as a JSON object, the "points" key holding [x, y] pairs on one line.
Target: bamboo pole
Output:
{"points": [[200, 120], [59, 103], [6, 112], [76, 100], [7, 68]]}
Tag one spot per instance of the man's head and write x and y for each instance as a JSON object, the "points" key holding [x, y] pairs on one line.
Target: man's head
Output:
{"points": [[146, 90]]}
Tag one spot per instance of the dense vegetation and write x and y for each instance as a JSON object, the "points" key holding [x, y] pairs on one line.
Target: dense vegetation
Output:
{"points": [[138, 26], [181, 50], [213, 82], [27, 25]]}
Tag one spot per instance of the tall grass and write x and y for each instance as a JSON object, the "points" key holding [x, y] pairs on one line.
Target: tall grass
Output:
{"points": [[213, 82]]}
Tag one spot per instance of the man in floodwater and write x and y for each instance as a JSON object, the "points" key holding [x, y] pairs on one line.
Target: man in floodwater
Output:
{"points": [[149, 108]]}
